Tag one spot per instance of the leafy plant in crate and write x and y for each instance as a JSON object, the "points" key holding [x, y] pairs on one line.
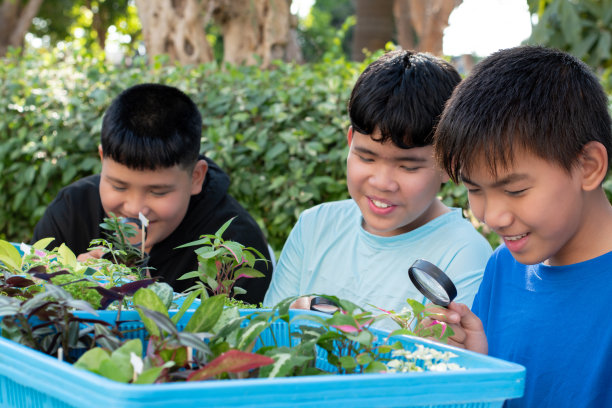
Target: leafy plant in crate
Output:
{"points": [[181, 355], [221, 263]]}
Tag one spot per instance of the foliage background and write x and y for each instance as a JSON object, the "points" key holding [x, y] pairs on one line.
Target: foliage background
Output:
{"points": [[280, 133]]}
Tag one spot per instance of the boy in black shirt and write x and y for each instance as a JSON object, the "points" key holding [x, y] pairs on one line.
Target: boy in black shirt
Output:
{"points": [[150, 144]]}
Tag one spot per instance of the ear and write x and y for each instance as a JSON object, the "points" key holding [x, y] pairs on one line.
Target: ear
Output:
{"points": [[197, 176], [593, 163], [349, 136], [100, 152]]}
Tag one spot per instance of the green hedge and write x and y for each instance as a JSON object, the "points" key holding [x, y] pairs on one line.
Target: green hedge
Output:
{"points": [[280, 134]]}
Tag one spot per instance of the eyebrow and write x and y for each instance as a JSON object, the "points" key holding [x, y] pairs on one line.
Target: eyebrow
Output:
{"points": [[501, 182], [408, 157], [154, 186]]}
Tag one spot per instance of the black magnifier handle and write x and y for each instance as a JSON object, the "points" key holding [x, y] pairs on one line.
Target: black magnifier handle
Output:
{"points": [[323, 305], [432, 282]]}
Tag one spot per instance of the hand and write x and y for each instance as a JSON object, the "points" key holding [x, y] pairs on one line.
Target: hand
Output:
{"points": [[95, 253], [302, 303], [467, 327]]}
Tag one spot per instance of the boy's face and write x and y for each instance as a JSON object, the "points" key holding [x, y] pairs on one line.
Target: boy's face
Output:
{"points": [[535, 206], [161, 195], [394, 188]]}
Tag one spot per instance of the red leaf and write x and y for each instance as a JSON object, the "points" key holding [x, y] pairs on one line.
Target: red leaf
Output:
{"points": [[233, 361]]}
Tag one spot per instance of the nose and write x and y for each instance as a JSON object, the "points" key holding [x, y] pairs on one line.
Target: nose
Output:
{"points": [[383, 179], [135, 204], [496, 214]]}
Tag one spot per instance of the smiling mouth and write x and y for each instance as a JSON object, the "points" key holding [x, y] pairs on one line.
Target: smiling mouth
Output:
{"points": [[380, 204], [514, 237]]}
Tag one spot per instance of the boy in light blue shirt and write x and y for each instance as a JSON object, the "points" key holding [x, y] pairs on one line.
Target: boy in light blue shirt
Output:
{"points": [[360, 249]]}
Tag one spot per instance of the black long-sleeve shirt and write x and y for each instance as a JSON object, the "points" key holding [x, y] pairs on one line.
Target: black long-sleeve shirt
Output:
{"points": [[74, 218]]}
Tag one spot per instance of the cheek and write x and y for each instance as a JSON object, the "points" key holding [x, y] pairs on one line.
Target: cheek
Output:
{"points": [[477, 206], [170, 210], [110, 198]]}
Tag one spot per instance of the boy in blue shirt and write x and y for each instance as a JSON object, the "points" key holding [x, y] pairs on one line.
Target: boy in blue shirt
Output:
{"points": [[361, 249], [529, 134]]}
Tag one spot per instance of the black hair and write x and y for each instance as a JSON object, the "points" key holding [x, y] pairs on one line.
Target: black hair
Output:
{"points": [[151, 126], [529, 97], [402, 94]]}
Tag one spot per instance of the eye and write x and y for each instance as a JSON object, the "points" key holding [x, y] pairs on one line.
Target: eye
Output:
{"points": [[117, 188], [409, 169], [473, 190], [365, 159], [516, 192], [159, 193]]}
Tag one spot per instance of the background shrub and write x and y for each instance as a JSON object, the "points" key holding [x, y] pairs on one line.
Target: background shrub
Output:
{"points": [[280, 134]]}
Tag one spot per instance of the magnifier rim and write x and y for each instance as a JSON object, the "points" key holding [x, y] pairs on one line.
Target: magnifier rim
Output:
{"points": [[134, 220], [438, 275], [320, 300]]}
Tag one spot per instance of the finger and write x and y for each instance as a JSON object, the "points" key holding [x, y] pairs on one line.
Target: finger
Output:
{"points": [[302, 303], [96, 253]]}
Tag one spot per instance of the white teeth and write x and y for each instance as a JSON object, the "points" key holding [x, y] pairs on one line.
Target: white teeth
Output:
{"points": [[380, 204], [515, 237]]}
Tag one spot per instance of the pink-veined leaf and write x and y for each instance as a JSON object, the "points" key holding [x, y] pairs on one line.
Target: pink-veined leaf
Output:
{"points": [[232, 361]]}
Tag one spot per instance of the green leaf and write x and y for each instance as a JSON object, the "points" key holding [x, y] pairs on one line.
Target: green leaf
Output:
{"points": [[206, 315], [152, 374], [42, 243], [92, 359], [9, 255], [148, 299], [376, 367], [221, 230], [185, 306], [347, 362], [66, 256]]}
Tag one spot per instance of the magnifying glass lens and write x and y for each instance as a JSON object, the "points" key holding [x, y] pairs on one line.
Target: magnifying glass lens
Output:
{"points": [[324, 305], [329, 309], [431, 285], [434, 284]]}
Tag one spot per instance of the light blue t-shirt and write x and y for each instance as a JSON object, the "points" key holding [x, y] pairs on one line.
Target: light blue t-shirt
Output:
{"points": [[329, 252]]}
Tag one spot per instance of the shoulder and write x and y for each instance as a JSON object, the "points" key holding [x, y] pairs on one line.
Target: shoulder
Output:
{"points": [[82, 192], [335, 209], [330, 216]]}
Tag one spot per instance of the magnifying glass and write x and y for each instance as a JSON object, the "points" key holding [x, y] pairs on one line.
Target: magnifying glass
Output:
{"points": [[324, 305], [434, 284]]}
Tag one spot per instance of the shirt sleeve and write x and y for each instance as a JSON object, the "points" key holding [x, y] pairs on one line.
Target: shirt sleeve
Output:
{"points": [[54, 223], [286, 277]]}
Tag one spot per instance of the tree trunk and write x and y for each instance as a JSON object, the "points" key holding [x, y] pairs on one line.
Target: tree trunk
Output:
{"points": [[428, 20], [374, 27], [263, 28], [15, 20], [257, 28], [175, 28]]}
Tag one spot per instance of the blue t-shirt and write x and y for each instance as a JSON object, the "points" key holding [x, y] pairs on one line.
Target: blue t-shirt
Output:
{"points": [[554, 320], [329, 252]]}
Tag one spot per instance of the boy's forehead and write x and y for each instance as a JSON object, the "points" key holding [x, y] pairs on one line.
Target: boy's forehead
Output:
{"points": [[161, 176]]}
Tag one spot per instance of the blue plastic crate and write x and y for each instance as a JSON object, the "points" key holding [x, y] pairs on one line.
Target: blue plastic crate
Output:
{"points": [[30, 379]]}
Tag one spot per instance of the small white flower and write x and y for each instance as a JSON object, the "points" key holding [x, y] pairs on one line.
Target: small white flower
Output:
{"points": [[137, 363]]}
